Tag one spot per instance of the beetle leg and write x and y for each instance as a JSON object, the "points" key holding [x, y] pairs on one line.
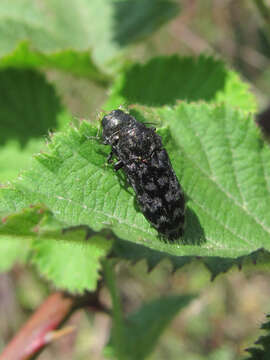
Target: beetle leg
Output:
{"points": [[109, 158], [118, 165]]}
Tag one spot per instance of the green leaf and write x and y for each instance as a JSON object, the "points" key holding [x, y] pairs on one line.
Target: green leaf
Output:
{"points": [[226, 175], [75, 62], [29, 107], [166, 79], [261, 352], [146, 325], [72, 262], [112, 25], [49, 26], [16, 233], [216, 265], [101, 25], [223, 166], [49, 34], [14, 158], [70, 258], [12, 250], [219, 158]]}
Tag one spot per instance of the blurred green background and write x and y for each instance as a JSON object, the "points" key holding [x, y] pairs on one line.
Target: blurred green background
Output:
{"points": [[225, 318]]}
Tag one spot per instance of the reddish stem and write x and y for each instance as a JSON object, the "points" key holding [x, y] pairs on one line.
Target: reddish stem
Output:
{"points": [[39, 330]]}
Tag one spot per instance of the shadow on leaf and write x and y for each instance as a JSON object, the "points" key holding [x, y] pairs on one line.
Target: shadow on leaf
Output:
{"points": [[193, 233]]}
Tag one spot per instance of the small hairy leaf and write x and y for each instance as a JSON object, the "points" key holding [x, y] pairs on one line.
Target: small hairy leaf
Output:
{"points": [[69, 258], [166, 79], [72, 262]]}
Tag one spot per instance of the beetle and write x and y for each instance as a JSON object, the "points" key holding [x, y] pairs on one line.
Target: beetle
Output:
{"points": [[140, 153]]}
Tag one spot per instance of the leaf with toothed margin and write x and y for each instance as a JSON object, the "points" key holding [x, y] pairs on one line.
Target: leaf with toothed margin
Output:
{"points": [[73, 262], [216, 265], [223, 165], [164, 80], [70, 258], [218, 155], [78, 63], [262, 349]]}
